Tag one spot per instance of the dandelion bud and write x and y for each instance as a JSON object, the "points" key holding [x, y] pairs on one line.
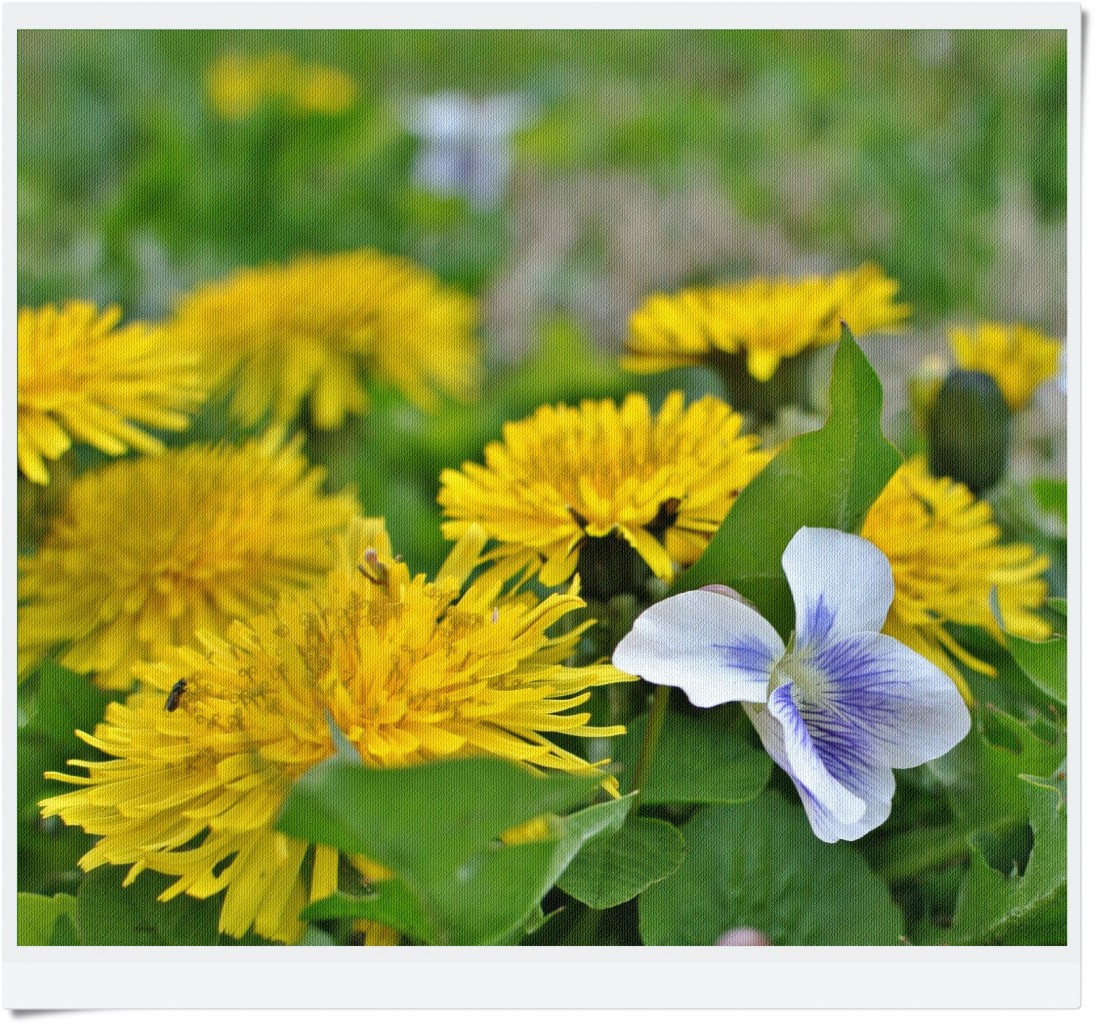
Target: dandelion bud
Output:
{"points": [[969, 430]]}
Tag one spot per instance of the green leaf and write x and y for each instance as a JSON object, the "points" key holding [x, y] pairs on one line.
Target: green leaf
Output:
{"points": [[993, 910], [64, 703], [424, 818], [982, 775], [1044, 663], [486, 902], [67, 701], [110, 914], [493, 894], [699, 759], [390, 903], [1052, 496], [579, 828], [829, 477], [45, 920], [394, 904], [759, 865], [617, 866], [437, 827], [984, 784]]}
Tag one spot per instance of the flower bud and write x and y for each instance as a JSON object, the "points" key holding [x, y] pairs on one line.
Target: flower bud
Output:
{"points": [[719, 588], [969, 430], [743, 937]]}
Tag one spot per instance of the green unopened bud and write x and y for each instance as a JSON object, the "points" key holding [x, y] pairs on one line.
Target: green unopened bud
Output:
{"points": [[969, 430]]}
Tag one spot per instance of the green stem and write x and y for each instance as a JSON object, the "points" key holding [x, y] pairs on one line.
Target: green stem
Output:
{"points": [[905, 856], [650, 739], [789, 385]]}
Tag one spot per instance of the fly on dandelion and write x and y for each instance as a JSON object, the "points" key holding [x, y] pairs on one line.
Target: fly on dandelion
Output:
{"points": [[175, 696]]}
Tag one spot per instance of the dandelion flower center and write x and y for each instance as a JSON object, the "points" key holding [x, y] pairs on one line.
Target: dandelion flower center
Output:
{"points": [[566, 476], [311, 328], [146, 552]]}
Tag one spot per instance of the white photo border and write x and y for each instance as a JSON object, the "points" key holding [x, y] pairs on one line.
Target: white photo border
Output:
{"points": [[509, 977]]}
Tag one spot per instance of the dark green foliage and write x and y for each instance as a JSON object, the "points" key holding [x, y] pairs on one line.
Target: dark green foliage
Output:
{"points": [[110, 914], [708, 758], [758, 865], [437, 826], [615, 867], [56, 702]]}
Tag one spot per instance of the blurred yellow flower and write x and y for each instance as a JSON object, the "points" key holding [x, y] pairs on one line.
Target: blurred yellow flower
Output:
{"points": [[147, 551], [946, 555], [567, 476], [238, 84], [765, 320], [408, 670], [1019, 358], [83, 378], [309, 328]]}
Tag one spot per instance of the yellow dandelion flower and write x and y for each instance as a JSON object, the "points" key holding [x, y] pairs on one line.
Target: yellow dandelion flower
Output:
{"points": [[324, 90], [237, 85], [308, 329], [945, 551], [410, 671], [764, 320], [1019, 358], [146, 552], [83, 378], [567, 476]]}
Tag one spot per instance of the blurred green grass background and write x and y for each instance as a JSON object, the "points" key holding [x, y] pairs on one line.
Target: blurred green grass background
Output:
{"points": [[910, 148]]}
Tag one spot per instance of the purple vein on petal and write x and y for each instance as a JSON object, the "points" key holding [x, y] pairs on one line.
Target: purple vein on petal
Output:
{"points": [[750, 655]]}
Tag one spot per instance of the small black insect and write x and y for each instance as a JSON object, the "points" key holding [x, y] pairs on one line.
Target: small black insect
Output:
{"points": [[175, 696]]}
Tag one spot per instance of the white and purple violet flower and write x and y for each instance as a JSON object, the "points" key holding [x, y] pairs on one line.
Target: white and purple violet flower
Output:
{"points": [[840, 707]]}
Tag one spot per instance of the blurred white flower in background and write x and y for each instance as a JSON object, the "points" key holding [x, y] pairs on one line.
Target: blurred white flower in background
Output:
{"points": [[466, 144]]}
